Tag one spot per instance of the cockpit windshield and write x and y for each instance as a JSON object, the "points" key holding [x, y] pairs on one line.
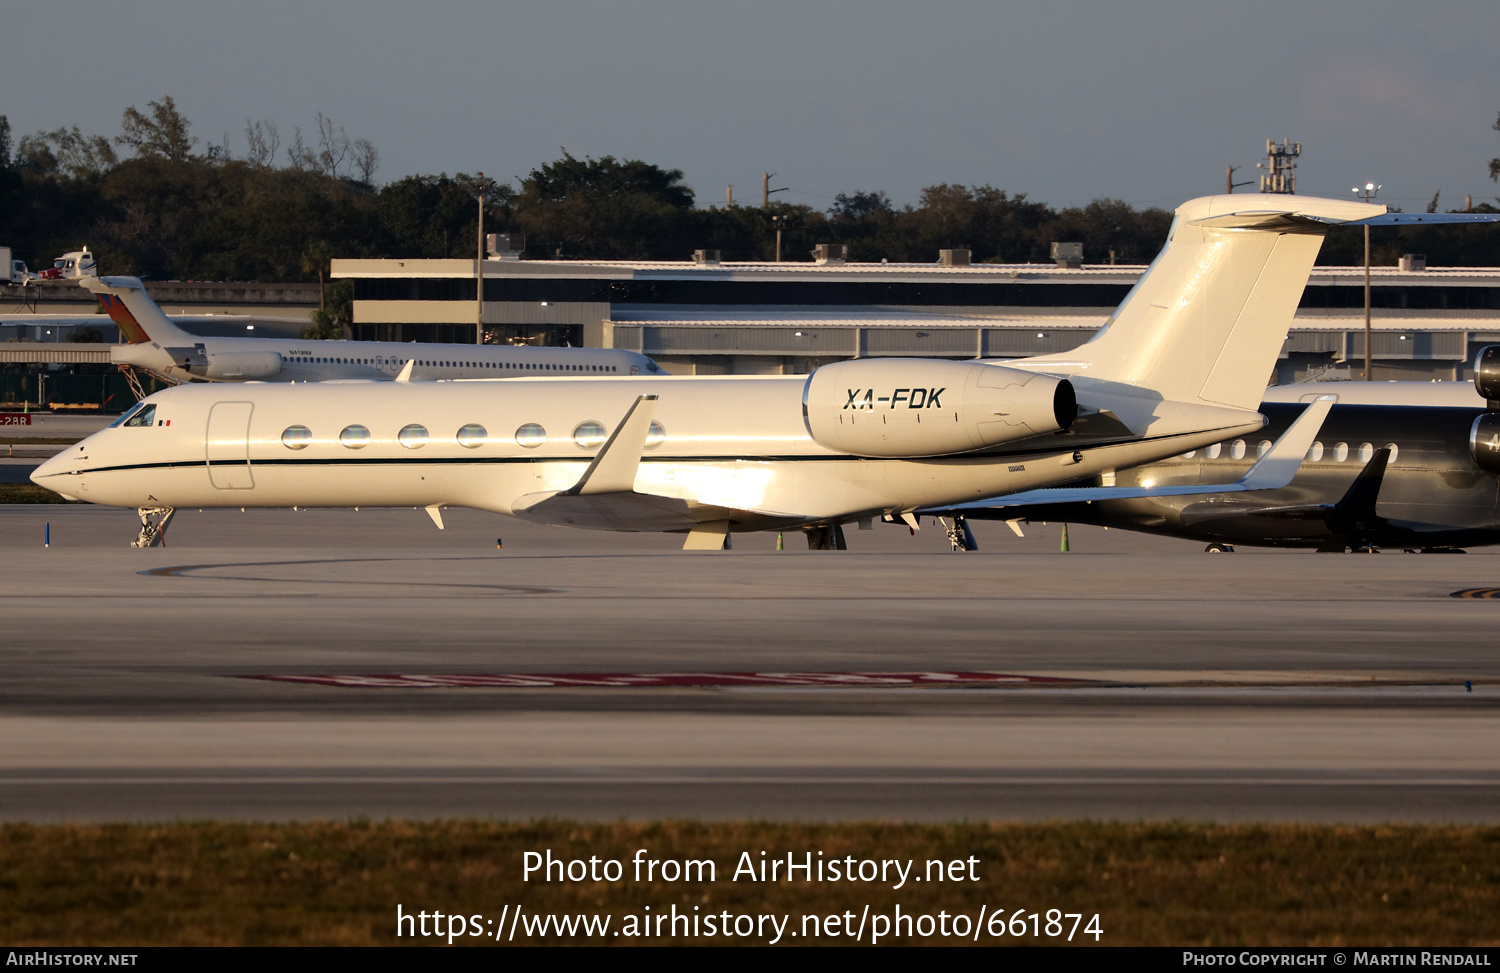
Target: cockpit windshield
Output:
{"points": [[140, 414]]}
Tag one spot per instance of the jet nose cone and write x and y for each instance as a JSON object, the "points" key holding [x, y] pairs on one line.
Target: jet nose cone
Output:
{"points": [[54, 466]]}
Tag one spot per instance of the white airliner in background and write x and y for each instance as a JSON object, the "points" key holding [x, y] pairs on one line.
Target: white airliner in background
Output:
{"points": [[162, 348], [1181, 364]]}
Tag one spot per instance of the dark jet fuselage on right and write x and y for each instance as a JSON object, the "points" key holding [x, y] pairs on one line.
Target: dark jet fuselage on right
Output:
{"points": [[1433, 493]]}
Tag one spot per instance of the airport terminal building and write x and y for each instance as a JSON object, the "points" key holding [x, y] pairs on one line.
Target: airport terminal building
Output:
{"points": [[708, 318]]}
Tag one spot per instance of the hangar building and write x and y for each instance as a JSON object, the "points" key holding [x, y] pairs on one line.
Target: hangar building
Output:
{"points": [[709, 318]]}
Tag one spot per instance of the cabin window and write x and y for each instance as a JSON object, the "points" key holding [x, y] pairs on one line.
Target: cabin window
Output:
{"points": [[355, 437], [1237, 449], [1366, 453], [1340, 452], [1315, 451], [589, 435], [296, 437], [1263, 448], [413, 436], [472, 436], [1395, 451], [655, 435], [531, 435], [1213, 451]]}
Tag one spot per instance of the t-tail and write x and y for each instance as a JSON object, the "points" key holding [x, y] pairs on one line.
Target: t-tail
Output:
{"points": [[125, 300], [1206, 322]]}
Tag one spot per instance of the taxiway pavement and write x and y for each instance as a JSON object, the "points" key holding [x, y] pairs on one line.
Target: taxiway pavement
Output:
{"points": [[1260, 685]]}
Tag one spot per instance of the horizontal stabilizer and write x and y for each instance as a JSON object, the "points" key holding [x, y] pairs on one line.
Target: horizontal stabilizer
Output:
{"points": [[1271, 472], [126, 302], [1407, 219]]}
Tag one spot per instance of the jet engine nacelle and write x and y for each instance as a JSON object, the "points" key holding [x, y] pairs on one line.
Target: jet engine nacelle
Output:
{"points": [[903, 407], [1484, 442], [239, 366], [1487, 373]]}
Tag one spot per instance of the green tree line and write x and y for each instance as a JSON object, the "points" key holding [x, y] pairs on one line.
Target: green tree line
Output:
{"points": [[155, 201]]}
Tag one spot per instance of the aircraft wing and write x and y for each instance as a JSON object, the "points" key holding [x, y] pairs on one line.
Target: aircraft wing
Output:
{"points": [[1271, 472], [605, 498]]}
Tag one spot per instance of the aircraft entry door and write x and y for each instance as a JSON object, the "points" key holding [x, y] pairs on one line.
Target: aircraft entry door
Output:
{"points": [[228, 443]]}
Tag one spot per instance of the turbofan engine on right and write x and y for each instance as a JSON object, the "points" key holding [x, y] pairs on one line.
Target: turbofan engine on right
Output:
{"points": [[906, 408]]}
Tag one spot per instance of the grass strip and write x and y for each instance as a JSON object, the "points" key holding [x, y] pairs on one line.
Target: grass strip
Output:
{"points": [[30, 493], [1152, 884]]}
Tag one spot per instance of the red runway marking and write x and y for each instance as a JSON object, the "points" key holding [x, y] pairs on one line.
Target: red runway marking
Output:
{"points": [[855, 680]]}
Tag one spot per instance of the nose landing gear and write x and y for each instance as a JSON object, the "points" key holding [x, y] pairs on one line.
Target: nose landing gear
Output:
{"points": [[154, 521]]}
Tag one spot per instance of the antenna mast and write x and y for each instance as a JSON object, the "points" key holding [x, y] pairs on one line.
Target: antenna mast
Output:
{"points": [[1280, 166]]}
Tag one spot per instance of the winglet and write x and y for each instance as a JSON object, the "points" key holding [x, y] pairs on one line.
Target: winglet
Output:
{"points": [[1362, 494], [613, 469], [1277, 468], [405, 375]]}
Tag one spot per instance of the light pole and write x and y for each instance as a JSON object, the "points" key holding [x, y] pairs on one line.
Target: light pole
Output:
{"points": [[1368, 191], [780, 222], [479, 272]]}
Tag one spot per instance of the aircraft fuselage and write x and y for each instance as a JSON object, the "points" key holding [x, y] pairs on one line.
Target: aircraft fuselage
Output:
{"points": [[1433, 493], [737, 445]]}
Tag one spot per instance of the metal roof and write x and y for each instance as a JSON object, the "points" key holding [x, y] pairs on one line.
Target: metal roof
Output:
{"points": [[791, 270]]}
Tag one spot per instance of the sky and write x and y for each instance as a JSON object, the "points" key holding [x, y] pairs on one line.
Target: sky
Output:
{"points": [[1065, 101]]}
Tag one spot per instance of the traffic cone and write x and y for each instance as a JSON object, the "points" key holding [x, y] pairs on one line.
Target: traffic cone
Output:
{"points": [[1064, 546]]}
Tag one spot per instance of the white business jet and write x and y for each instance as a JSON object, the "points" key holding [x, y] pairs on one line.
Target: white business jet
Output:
{"points": [[1181, 364], [159, 346]]}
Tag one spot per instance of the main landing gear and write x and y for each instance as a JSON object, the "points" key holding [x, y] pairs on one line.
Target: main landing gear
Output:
{"points": [[826, 537], [154, 521], [1217, 548], [960, 537]]}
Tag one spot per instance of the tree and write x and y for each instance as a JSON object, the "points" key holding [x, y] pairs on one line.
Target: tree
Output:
{"points": [[163, 135], [570, 179], [332, 321], [67, 151], [262, 141], [437, 216], [620, 208], [859, 207], [315, 259], [1495, 163], [4, 142]]}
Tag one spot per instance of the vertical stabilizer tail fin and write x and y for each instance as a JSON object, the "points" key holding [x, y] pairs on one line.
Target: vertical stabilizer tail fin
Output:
{"points": [[1206, 322], [126, 302]]}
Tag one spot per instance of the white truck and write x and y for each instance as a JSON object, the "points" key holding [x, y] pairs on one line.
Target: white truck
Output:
{"points": [[15, 270], [79, 263]]}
